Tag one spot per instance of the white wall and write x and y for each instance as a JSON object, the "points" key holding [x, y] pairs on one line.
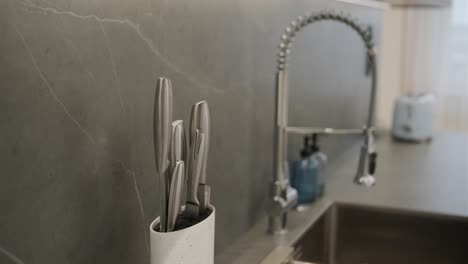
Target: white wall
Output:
{"points": [[426, 50], [390, 71]]}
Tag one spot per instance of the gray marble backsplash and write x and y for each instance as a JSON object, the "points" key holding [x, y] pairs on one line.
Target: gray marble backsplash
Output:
{"points": [[77, 81]]}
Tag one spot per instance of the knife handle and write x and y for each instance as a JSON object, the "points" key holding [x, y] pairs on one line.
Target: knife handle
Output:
{"points": [[178, 149], [195, 165], [162, 118], [200, 120], [175, 195]]}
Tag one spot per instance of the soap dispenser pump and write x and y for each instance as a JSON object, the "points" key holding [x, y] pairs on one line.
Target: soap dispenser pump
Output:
{"points": [[306, 151]]}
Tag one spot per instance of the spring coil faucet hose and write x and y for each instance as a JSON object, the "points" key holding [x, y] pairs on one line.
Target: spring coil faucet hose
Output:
{"points": [[302, 21]]}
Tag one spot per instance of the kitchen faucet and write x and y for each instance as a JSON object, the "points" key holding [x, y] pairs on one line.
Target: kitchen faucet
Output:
{"points": [[285, 196]]}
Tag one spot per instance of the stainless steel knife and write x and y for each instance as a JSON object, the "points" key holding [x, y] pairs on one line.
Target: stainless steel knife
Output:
{"points": [[201, 121], [162, 131], [178, 150], [195, 165], [175, 195]]}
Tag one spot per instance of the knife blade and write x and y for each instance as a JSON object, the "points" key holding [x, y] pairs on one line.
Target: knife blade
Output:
{"points": [[175, 195], [162, 119], [195, 166]]}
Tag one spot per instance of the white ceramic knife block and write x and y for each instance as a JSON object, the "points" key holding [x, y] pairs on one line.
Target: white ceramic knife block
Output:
{"points": [[192, 245]]}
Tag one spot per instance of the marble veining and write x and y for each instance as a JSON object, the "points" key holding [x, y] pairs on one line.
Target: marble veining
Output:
{"points": [[28, 5], [114, 71], [140, 205], [11, 256], [49, 87]]}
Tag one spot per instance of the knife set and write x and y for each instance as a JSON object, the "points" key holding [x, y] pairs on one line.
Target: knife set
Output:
{"points": [[184, 233]]}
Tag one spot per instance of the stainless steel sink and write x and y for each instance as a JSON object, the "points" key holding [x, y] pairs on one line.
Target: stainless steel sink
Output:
{"points": [[351, 234]]}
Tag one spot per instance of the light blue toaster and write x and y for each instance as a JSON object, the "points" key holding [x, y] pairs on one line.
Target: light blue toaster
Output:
{"points": [[413, 117]]}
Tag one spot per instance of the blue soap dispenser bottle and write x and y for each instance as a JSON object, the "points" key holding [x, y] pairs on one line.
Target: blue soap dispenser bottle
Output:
{"points": [[307, 173], [304, 174], [320, 161]]}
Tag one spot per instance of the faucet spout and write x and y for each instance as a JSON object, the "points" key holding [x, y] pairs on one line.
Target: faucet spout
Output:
{"points": [[283, 195]]}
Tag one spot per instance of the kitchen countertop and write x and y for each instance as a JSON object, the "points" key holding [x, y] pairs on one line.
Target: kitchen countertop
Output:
{"points": [[429, 177]]}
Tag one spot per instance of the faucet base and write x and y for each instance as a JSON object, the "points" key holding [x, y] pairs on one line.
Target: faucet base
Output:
{"points": [[277, 225]]}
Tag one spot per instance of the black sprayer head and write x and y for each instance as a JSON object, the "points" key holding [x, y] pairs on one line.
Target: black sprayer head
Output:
{"points": [[305, 152], [310, 146], [314, 148]]}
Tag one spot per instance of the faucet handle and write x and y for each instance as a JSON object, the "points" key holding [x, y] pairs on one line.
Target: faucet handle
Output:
{"points": [[278, 208]]}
